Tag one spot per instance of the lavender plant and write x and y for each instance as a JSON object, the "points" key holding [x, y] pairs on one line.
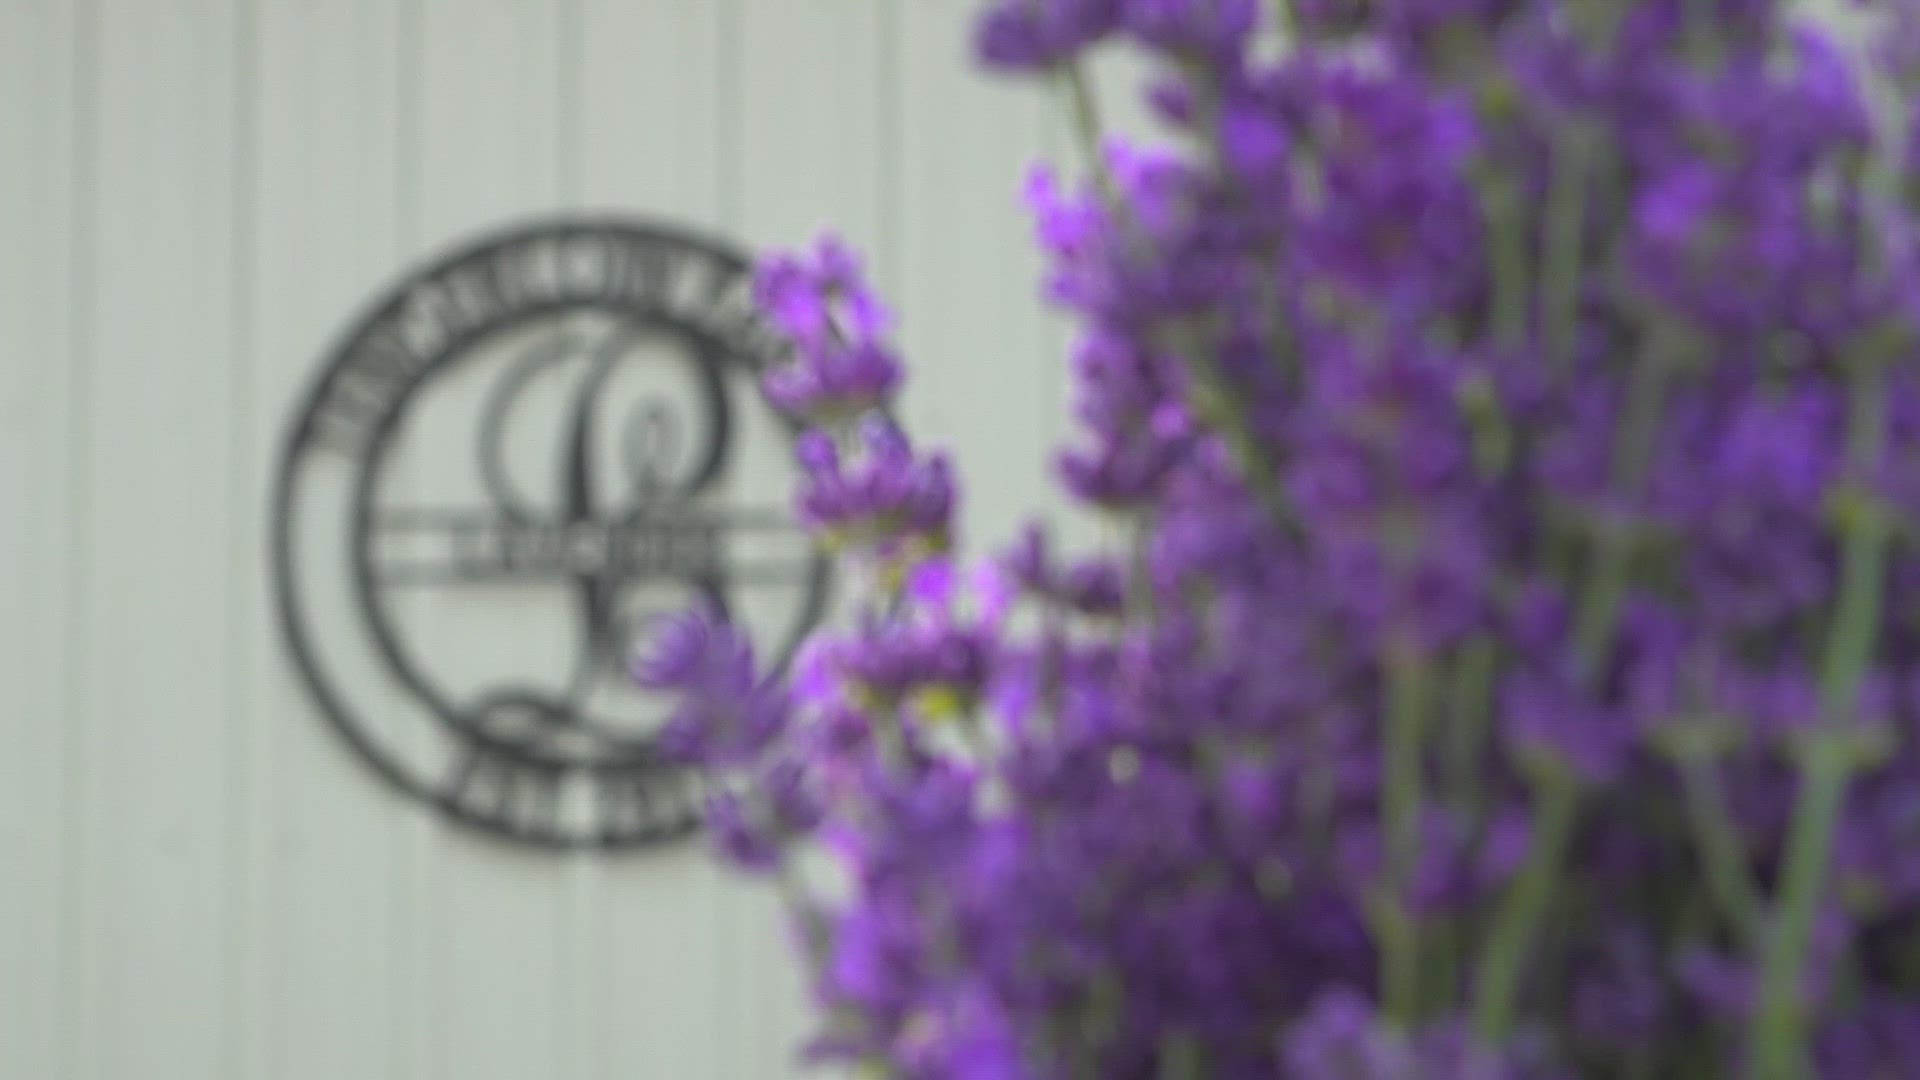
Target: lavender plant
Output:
{"points": [[1511, 411]]}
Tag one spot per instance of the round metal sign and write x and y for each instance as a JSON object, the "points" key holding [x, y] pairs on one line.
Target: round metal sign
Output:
{"points": [[525, 453]]}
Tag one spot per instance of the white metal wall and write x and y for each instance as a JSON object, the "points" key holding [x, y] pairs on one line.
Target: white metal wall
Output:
{"points": [[195, 196]]}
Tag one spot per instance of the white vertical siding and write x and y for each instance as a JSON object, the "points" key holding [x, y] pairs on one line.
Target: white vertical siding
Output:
{"points": [[328, 957], [984, 378], [650, 116], [811, 145], [486, 147], [196, 196], [43, 67], [153, 699]]}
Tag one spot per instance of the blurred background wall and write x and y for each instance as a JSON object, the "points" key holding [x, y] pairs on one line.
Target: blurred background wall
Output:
{"points": [[196, 197]]}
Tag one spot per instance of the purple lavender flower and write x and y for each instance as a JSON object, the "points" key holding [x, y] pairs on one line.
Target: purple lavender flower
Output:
{"points": [[843, 366], [882, 497], [1505, 419], [1022, 35], [845, 381], [1341, 1038], [1093, 586], [1195, 29], [727, 713], [745, 843]]}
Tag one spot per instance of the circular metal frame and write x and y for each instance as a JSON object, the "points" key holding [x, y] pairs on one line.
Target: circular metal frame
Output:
{"points": [[502, 783]]}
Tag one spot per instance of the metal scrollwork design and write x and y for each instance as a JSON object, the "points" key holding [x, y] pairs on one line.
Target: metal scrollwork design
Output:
{"points": [[630, 507]]}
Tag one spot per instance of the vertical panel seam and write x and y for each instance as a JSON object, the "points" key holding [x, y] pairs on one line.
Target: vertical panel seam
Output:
{"points": [[75, 894], [244, 1005], [729, 109], [408, 877], [577, 1013], [890, 120], [569, 76]]}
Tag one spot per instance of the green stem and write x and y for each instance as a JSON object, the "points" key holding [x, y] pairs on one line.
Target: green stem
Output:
{"points": [[1283, 20], [1182, 1058], [1469, 729], [1720, 850], [1646, 394], [1105, 1005], [1779, 1028], [1703, 27], [1596, 624], [1507, 254], [1139, 595], [1469, 711], [1444, 974], [1779, 1034], [1213, 404], [1598, 615], [1493, 438], [1408, 675], [1562, 255], [1518, 920], [1218, 411], [1084, 108], [1525, 904]]}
